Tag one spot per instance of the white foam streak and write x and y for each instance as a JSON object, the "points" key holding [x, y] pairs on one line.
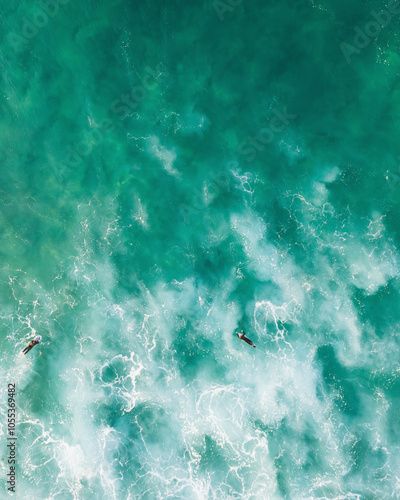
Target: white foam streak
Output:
{"points": [[166, 156]]}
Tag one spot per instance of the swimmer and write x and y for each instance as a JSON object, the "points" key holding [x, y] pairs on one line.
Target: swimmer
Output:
{"points": [[242, 336], [32, 343]]}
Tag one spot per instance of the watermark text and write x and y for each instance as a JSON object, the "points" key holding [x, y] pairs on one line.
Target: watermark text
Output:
{"points": [[277, 124], [227, 6], [11, 438], [30, 27], [363, 37]]}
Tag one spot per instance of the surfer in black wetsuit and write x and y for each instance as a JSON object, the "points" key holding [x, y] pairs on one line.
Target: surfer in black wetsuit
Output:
{"points": [[242, 336], [32, 344]]}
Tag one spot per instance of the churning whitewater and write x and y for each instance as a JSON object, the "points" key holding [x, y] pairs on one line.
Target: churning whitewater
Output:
{"points": [[172, 175]]}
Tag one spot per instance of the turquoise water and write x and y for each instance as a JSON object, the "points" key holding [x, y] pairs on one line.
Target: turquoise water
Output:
{"points": [[171, 173]]}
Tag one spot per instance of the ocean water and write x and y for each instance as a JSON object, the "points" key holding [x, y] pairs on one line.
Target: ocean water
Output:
{"points": [[170, 173]]}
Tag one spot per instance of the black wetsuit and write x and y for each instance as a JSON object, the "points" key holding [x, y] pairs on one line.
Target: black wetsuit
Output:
{"points": [[31, 344], [247, 340]]}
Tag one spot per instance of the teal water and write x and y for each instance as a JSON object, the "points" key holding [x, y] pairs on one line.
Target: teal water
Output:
{"points": [[173, 172]]}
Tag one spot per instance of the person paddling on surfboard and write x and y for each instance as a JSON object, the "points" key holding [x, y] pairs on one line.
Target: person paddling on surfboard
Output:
{"points": [[242, 336], [32, 344]]}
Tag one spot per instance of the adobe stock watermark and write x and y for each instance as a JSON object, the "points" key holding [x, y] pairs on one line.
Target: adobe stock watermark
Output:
{"points": [[363, 38], [227, 6], [266, 135], [30, 27], [12, 438], [121, 108]]}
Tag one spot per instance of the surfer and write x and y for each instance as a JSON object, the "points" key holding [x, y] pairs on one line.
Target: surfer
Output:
{"points": [[32, 343], [242, 336]]}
